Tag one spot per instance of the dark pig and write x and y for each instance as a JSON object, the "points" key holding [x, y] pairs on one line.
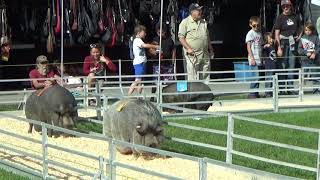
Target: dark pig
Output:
{"points": [[136, 121], [192, 87], [55, 106]]}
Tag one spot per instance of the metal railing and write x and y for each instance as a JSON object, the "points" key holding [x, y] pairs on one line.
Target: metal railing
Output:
{"points": [[118, 85], [107, 168], [231, 136]]}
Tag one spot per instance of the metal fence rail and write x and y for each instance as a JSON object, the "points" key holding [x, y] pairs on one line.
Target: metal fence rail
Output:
{"points": [[111, 163], [106, 86], [231, 137]]}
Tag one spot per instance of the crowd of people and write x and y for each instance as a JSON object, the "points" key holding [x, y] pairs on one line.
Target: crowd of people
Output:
{"points": [[272, 50], [280, 50]]}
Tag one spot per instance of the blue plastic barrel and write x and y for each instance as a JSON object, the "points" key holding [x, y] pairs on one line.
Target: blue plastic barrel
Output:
{"points": [[242, 66]]}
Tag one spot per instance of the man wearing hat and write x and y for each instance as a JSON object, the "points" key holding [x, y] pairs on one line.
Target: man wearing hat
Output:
{"points": [[194, 37], [41, 71], [287, 33]]}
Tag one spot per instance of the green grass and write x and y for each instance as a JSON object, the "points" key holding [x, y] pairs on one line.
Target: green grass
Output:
{"points": [[8, 107], [281, 135], [10, 176]]}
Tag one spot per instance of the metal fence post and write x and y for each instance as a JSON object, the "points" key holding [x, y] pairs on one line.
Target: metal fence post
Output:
{"points": [[44, 152], [25, 96], [300, 86], [229, 139], [104, 109], [85, 90], [120, 78], [112, 157], [101, 168], [318, 158], [160, 98], [98, 98], [275, 94], [202, 169]]}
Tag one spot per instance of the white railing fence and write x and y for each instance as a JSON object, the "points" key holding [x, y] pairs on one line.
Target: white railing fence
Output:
{"points": [[107, 168]]}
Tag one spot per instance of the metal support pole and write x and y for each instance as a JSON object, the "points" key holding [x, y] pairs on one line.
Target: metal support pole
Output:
{"points": [[25, 96], [85, 90], [159, 57], [318, 158], [105, 108], [44, 152], [120, 78], [202, 169], [300, 86], [275, 94], [98, 99], [160, 98], [112, 157], [101, 168], [62, 38], [229, 139]]}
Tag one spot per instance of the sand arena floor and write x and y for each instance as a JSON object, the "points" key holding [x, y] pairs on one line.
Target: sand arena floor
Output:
{"points": [[184, 169]]}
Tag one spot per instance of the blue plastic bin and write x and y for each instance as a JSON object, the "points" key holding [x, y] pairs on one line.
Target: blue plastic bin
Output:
{"points": [[242, 76]]}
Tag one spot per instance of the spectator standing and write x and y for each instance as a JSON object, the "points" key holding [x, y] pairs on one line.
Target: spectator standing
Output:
{"points": [[270, 60], [254, 48], [309, 48], [168, 54], [41, 71], [140, 58], [194, 37], [286, 35], [96, 64]]}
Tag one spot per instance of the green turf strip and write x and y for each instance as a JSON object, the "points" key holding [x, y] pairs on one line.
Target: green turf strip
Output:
{"points": [[5, 175]]}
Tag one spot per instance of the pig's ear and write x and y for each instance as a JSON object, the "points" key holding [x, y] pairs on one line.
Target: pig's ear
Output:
{"points": [[141, 127]]}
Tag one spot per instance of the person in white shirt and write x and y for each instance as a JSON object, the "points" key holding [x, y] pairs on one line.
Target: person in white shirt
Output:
{"points": [[140, 58], [254, 48]]}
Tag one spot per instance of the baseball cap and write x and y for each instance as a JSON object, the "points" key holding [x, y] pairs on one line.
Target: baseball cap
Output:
{"points": [[195, 6], [285, 2], [41, 59]]}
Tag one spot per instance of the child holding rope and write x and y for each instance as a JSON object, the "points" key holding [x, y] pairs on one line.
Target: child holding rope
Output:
{"points": [[140, 58]]}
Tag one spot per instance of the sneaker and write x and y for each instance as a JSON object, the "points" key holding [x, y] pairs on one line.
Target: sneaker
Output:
{"points": [[268, 95], [92, 102]]}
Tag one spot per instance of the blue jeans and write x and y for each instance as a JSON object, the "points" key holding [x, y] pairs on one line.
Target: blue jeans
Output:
{"points": [[270, 74], [287, 62], [254, 85]]}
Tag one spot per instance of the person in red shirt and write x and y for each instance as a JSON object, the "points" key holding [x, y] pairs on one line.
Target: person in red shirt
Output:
{"points": [[41, 71], [96, 64]]}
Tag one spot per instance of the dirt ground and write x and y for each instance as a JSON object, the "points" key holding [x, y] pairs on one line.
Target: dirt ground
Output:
{"points": [[184, 169]]}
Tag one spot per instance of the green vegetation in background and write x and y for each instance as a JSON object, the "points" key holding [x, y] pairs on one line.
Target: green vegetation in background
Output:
{"points": [[8, 107], [271, 133], [5, 175]]}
